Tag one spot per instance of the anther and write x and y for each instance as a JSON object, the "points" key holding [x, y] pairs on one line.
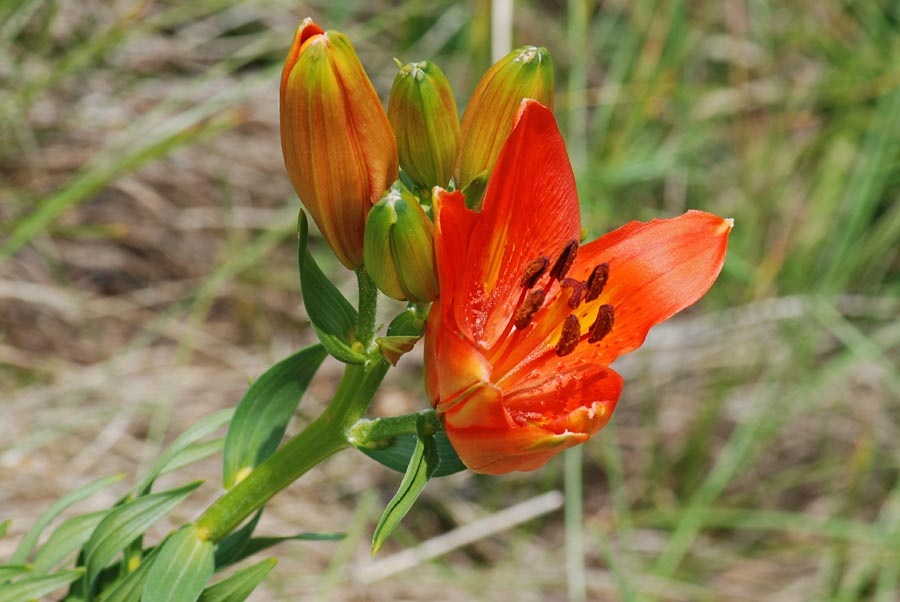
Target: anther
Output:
{"points": [[569, 337], [596, 281], [565, 260], [577, 287], [530, 306], [602, 325], [534, 270]]}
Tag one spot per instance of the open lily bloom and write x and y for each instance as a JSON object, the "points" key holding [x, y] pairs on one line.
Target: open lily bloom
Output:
{"points": [[518, 346]]}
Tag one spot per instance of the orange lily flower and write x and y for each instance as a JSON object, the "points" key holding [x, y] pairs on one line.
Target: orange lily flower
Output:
{"points": [[518, 346]]}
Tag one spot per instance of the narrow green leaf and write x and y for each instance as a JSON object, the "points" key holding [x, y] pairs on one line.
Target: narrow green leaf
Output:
{"points": [[193, 453], [397, 455], [127, 522], [10, 571], [4, 527], [422, 466], [30, 539], [36, 587], [67, 538], [231, 548], [239, 586], [204, 427], [129, 588], [262, 415], [257, 544], [180, 572], [331, 315]]}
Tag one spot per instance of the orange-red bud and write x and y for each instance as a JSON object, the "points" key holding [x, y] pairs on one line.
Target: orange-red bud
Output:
{"points": [[338, 146], [526, 72]]}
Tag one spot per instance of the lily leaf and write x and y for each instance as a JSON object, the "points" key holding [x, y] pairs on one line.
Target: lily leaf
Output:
{"points": [[129, 587], [397, 455], [35, 587], [422, 466], [67, 538], [11, 571], [30, 539], [180, 572], [201, 429], [331, 315], [263, 413], [240, 585], [123, 524]]}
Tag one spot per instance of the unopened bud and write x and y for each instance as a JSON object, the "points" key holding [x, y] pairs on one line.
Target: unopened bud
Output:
{"points": [[338, 146], [526, 72], [423, 113], [399, 248]]}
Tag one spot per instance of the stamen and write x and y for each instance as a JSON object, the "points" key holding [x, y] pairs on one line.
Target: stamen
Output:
{"points": [[602, 325], [569, 337], [530, 306], [565, 260], [534, 270], [577, 291], [596, 281]]}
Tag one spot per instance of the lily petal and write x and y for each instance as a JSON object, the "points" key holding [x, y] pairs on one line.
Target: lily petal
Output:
{"points": [[491, 440], [656, 269], [530, 209]]}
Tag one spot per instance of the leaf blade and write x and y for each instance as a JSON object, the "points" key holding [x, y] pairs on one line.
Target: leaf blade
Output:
{"points": [[240, 585], [422, 465], [262, 414], [36, 587], [125, 523], [182, 568], [331, 315]]}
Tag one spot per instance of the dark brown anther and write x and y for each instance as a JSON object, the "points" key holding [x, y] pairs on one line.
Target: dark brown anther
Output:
{"points": [[530, 306], [534, 270], [569, 337], [577, 287], [603, 324], [596, 281], [565, 260]]}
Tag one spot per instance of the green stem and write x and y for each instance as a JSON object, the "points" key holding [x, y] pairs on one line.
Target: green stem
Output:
{"points": [[368, 305], [323, 437], [378, 432], [319, 440]]}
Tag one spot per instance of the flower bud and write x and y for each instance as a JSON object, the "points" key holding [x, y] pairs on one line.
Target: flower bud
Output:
{"points": [[399, 248], [526, 72], [338, 146], [423, 113]]}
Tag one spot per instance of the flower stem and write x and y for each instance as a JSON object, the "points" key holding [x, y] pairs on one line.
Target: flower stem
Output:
{"points": [[323, 437], [315, 443], [376, 432], [368, 305]]}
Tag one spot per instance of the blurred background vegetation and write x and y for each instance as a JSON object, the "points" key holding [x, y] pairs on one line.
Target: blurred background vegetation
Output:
{"points": [[147, 268]]}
